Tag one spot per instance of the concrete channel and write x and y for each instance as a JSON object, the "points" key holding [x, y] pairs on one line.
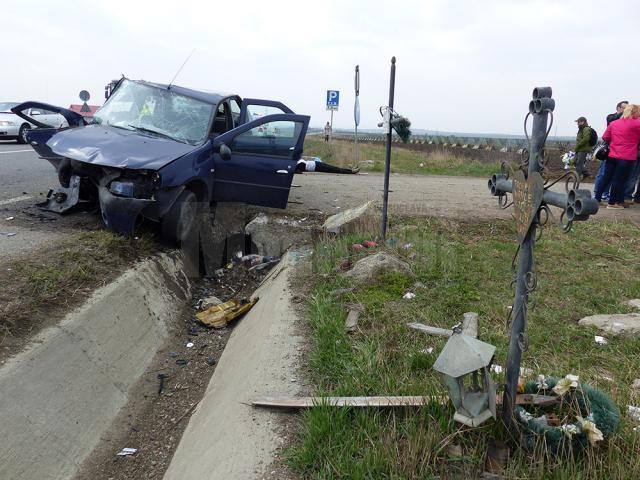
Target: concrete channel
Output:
{"points": [[59, 395]]}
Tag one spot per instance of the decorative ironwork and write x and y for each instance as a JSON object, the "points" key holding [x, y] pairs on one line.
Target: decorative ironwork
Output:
{"points": [[532, 196]]}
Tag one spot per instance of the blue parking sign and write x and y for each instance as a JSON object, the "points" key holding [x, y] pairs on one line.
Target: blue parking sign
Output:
{"points": [[333, 99]]}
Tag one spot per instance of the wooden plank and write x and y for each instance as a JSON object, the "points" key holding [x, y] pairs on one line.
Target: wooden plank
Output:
{"points": [[295, 403], [351, 323]]}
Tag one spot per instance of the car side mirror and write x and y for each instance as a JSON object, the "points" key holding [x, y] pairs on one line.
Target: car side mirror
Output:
{"points": [[225, 152]]}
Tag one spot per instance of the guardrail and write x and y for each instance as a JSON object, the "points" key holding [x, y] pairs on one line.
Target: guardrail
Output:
{"points": [[472, 143]]}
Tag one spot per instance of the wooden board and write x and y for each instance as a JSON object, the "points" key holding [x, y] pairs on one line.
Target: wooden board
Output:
{"points": [[380, 402]]}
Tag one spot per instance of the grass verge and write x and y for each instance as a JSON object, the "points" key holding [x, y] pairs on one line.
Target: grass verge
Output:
{"points": [[464, 267], [49, 281], [341, 153]]}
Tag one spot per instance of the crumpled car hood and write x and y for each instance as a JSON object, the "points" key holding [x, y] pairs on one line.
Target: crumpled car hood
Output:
{"points": [[115, 147]]}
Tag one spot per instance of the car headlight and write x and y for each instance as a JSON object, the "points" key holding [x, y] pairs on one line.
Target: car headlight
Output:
{"points": [[6, 123], [122, 189]]}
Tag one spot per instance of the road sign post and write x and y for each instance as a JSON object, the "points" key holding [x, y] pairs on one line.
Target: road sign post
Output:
{"points": [[356, 111], [387, 160], [333, 102]]}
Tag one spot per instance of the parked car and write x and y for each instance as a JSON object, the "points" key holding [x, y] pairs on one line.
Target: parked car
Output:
{"points": [[155, 150], [12, 127]]}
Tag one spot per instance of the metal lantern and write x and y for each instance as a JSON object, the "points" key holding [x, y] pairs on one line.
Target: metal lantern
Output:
{"points": [[464, 364]]}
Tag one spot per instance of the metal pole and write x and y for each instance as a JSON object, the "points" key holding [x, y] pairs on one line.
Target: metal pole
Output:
{"points": [[331, 129], [387, 161], [356, 112], [525, 271]]}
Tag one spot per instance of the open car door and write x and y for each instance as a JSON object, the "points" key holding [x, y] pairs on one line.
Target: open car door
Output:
{"points": [[38, 137], [254, 108], [255, 162]]}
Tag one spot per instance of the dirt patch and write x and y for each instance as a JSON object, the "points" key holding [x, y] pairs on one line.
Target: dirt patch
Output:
{"points": [[154, 420]]}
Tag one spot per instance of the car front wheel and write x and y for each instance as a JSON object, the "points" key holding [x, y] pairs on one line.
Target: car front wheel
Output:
{"points": [[22, 134], [180, 221]]}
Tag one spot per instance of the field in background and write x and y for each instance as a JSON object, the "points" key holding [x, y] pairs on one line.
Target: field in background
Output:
{"points": [[403, 160], [464, 267]]}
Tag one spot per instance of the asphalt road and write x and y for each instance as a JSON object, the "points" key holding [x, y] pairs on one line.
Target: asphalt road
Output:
{"points": [[23, 174]]}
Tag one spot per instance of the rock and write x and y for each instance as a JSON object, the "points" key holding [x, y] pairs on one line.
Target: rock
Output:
{"points": [[634, 303], [368, 269], [636, 384], [617, 323], [351, 323], [272, 236], [362, 219]]}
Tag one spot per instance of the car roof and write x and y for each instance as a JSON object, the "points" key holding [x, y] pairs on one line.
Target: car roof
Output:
{"points": [[208, 97]]}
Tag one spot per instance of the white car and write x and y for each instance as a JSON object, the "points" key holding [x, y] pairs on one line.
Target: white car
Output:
{"points": [[12, 127]]}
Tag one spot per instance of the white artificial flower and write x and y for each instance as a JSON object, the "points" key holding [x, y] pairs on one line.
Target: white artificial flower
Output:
{"points": [[564, 385], [525, 416], [593, 433], [542, 383], [569, 430]]}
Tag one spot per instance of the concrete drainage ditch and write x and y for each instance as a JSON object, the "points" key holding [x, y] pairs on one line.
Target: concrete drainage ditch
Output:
{"points": [[61, 397]]}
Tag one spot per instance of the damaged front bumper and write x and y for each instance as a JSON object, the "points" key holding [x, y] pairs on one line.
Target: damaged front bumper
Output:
{"points": [[118, 196]]}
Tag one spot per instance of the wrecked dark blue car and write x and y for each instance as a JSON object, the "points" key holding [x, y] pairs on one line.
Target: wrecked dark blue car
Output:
{"points": [[154, 151]]}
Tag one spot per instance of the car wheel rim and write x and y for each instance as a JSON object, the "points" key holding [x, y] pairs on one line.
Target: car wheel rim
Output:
{"points": [[24, 134]]}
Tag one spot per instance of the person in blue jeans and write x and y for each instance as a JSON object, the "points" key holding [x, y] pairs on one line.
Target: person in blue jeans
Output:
{"points": [[601, 190], [631, 188]]}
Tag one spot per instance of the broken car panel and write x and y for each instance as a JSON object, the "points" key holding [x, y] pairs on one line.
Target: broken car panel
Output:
{"points": [[150, 142]]}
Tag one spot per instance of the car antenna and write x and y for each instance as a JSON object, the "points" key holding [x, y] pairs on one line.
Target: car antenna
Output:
{"points": [[180, 69]]}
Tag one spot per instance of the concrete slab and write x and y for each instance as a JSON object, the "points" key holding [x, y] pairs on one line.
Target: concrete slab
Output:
{"points": [[226, 438], [61, 394]]}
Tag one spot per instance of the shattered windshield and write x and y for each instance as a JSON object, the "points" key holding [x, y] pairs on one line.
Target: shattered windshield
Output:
{"points": [[156, 112], [7, 106]]}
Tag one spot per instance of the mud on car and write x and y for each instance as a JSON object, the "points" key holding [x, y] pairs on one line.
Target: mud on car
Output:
{"points": [[154, 151]]}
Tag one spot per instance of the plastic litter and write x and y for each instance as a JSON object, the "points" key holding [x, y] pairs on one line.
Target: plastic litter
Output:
{"points": [[190, 345], [8, 234], [369, 244], [9, 218], [219, 316], [357, 247], [127, 451], [409, 295], [600, 340]]}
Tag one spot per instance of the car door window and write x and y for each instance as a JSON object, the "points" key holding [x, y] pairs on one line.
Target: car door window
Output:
{"points": [[272, 138], [235, 112], [256, 111]]}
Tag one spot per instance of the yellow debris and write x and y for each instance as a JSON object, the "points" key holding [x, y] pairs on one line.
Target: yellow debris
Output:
{"points": [[219, 316]]}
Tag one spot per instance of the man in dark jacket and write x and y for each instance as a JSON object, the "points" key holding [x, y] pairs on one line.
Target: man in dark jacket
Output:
{"points": [[583, 144], [599, 187]]}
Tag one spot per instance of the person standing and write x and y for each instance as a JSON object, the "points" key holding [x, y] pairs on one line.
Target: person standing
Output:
{"points": [[599, 188], [623, 136], [583, 144], [327, 132]]}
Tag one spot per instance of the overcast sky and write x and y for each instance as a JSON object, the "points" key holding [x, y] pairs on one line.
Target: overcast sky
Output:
{"points": [[464, 66]]}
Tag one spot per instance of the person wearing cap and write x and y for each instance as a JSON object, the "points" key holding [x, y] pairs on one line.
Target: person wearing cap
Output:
{"points": [[583, 144]]}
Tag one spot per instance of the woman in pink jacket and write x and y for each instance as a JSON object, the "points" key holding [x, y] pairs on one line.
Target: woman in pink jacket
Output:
{"points": [[623, 136]]}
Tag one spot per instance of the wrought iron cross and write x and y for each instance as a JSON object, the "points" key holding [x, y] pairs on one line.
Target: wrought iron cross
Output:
{"points": [[531, 199]]}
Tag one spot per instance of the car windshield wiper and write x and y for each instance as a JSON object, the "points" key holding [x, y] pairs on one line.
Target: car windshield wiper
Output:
{"points": [[154, 132]]}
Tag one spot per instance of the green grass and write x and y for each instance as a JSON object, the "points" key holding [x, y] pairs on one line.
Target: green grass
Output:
{"points": [[403, 160], [464, 267], [62, 273]]}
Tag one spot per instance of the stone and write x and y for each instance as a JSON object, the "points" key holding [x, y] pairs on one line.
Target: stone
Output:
{"points": [[273, 236], [368, 269], [634, 303], [616, 323], [636, 384], [362, 219]]}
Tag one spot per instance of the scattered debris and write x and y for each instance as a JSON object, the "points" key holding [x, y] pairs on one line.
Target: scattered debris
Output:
{"points": [[407, 246], [189, 345], [634, 413], [219, 316], [469, 327], [205, 303], [617, 323], [427, 350], [636, 384], [8, 234], [369, 244], [634, 303], [162, 377], [357, 247], [126, 451], [351, 323], [211, 361], [497, 369], [362, 219], [600, 340], [9, 218], [409, 295], [181, 361]]}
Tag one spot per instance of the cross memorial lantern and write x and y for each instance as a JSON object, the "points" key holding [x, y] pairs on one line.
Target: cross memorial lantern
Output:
{"points": [[532, 196]]}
